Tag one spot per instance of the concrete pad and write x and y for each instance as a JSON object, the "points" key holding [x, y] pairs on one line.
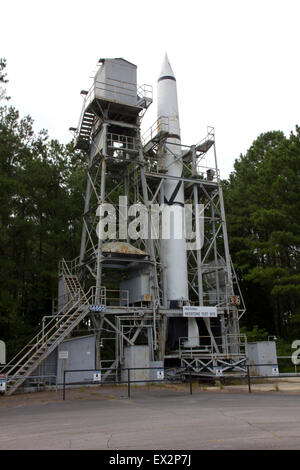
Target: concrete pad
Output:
{"points": [[154, 418]]}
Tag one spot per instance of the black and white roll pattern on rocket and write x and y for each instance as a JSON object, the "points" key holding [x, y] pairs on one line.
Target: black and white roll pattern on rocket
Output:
{"points": [[174, 248], [172, 193], [174, 253]]}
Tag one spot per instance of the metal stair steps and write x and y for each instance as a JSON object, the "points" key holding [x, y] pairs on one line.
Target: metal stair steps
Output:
{"points": [[67, 322], [85, 129]]}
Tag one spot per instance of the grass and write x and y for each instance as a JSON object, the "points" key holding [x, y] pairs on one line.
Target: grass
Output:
{"points": [[220, 384]]}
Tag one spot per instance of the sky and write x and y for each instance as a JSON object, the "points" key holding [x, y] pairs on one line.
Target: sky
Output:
{"points": [[236, 62]]}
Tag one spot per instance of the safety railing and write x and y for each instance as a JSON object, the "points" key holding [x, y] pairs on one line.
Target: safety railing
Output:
{"points": [[145, 92], [37, 382], [121, 142], [160, 125], [77, 131], [207, 173], [108, 297], [227, 345], [155, 375], [149, 375], [213, 298], [31, 346], [159, 374], [69, 267], [98, 295], [44, 335], [205, 144], [120, 92]]}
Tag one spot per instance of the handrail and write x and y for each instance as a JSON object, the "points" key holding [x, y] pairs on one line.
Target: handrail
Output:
{"points": [[31, 341], [41, 341], [224, 342], [162, 123], [46, 333], [209, 136], [145, 91], [104, 299], [81, 118], [122, 142], [74, 263], [99, 89]]}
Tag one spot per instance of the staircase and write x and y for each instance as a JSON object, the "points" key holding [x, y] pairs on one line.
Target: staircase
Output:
{"points": [[57, 329], [86, 125], [158, 131], [73, 286]]}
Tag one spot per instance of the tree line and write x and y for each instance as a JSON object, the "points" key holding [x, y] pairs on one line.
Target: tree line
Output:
{"points": [[42, 185], [262, 200], [41, 188]]}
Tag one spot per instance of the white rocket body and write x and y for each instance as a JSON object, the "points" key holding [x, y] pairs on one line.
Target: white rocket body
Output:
{"points": [[174, 247]]}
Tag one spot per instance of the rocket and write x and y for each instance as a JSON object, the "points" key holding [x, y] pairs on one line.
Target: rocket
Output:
{"points": [[173, 245]]}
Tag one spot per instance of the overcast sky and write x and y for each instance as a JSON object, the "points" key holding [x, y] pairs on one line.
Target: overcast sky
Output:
{"points": [[236, 62]]}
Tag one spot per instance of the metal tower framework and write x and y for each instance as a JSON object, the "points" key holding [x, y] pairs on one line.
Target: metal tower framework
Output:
{"points": [[122, 163], [116, 288]]}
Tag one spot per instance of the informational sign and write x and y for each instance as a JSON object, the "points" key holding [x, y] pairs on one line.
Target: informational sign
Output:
{"points": [[202, 312], [2, 383], [219, 371], [97, 377], [63, 354], [98, 308], [160, 374], [275, 370]]}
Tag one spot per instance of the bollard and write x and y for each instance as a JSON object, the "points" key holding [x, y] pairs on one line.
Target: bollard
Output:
{"points": [[128, 382], [248, 377], [64, 386], [191, 383]]}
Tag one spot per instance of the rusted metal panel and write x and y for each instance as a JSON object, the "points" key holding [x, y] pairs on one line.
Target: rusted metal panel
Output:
{"points": [[122, 247]]}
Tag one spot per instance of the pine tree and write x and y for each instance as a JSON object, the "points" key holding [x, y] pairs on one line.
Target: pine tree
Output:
{"points": [[263, 207]]}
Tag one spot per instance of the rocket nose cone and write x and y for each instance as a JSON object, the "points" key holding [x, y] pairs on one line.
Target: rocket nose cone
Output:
{"points": [[166, 69]]}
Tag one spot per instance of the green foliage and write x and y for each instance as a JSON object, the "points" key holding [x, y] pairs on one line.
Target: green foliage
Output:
{"points": [[262, 199], [255, 334], [41, 201], [283, 348], [3, 79]]}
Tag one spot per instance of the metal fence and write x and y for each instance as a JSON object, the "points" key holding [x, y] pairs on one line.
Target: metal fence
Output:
{"points": [[179, 374], [159, 374]]}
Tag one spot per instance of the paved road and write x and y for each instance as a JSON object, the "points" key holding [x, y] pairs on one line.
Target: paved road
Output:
{"points": [[156, 419]]}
